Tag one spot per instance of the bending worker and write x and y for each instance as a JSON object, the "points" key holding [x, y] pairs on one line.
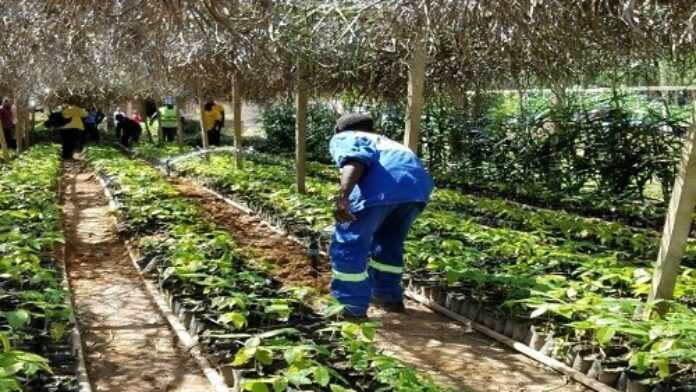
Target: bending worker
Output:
{"points": [[384, 187], [127, 129]]}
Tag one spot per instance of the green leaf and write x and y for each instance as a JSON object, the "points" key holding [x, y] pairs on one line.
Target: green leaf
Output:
{"points": [[243, 356], [293, 355], [640, 362], [605, 334], [663, 367], [238, 320], [18, 318], [255, 386], [322, 376], [57, 331], [264, 356], [280, 384]]}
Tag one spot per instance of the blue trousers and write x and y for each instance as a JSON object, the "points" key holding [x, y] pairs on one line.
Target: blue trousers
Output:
{"points": [[379, 232]]}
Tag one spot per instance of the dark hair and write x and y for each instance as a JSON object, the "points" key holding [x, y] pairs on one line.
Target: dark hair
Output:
{"points": [[354, 122]]}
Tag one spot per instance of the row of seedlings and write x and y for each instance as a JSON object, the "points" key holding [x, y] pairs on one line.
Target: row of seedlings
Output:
{"points": [[36, 347], [259, 335], [560, 297]]}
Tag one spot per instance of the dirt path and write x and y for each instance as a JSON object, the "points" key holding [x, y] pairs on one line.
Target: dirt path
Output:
{"points": [[128, 344], [451, 355]]}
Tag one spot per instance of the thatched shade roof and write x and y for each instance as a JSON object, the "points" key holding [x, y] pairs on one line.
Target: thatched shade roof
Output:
{"points": [[111, 49]]}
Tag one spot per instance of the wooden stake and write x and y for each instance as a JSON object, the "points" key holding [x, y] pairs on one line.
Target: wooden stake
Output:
{"points": [[237, 120], [204, 132], [416, 84], [678, 221], [300, 126]]}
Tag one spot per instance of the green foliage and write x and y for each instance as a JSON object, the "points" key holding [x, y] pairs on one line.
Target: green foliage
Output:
{"points": [[201, 266], [558, 267], [278, 121], [34, 309]]}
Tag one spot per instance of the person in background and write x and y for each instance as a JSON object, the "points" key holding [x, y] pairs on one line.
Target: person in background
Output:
{"points": [[94, 118], [71, 132], [212, 122], [221, 110], [137, 117], [115, 122], [127, 129], [383, 188], [167, 115], [8, 125]]}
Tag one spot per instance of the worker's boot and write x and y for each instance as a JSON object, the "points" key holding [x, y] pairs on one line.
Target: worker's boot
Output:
{"points": [[392, 307], [352, 318]]}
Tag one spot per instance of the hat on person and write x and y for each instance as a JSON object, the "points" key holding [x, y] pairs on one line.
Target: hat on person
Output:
{"points": [[354, 122]]}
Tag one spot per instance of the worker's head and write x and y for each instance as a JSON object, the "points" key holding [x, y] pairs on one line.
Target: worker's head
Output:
{"points": [[120, 117], [210, 102], [73, 100], [6, 102], [355, 122], [208, 106]]}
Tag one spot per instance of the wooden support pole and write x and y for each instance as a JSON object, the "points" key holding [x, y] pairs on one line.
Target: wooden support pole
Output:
{"points": [[19, 133], [3, 144], [237, 118], [300, 126], [32, 124], [179, 126], [204, 132], [416, 84], [160, 134], [677, 222]]}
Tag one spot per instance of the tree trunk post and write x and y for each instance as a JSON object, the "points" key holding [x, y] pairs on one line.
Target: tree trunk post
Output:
{"points": [[237, 120], [204, 132], [32, 123], [300, 126], [3, 144], [416, 85], [160, 134], [19, 132], [179, 126], [677, 223]]}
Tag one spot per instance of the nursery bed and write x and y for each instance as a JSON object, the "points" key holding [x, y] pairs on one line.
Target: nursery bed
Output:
{"points": [[128, 344], [461, 358]]}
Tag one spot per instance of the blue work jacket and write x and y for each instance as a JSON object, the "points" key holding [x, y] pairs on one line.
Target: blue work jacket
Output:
{"points": [[393, 173]]}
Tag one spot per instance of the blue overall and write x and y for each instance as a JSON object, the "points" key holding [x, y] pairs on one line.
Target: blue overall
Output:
{"points": [[392, 192]]}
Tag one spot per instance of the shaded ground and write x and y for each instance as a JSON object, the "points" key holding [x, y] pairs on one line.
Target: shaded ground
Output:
{"points": [[128, 344], [451, 355]]}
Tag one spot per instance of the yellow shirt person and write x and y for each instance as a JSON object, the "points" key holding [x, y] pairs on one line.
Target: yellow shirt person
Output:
{"points": [[75, 114], [210, 117]]}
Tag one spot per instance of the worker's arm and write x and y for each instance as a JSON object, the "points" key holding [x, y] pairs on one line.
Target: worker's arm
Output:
{"points": [[351, 173]]}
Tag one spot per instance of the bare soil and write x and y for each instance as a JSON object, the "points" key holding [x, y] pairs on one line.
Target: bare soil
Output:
{"points": [[129, 346], [439, 347], [284, 258]]}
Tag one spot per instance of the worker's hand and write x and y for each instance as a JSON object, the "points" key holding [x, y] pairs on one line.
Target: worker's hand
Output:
{"points": [[342, 210]]}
